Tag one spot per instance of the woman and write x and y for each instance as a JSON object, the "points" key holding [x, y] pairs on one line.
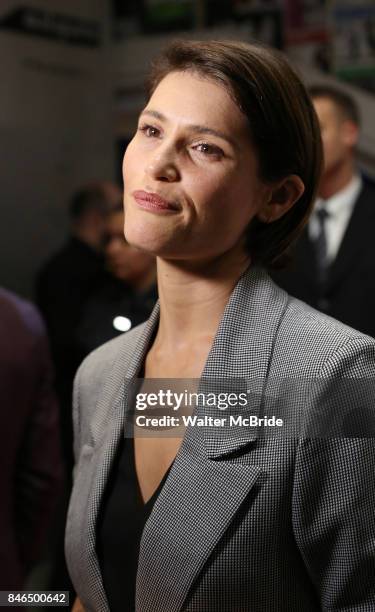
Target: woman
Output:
{"points": [[220, 178]]}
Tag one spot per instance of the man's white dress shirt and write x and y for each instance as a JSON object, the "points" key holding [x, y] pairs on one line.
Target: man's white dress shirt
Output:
{"points": [[339, 208]]}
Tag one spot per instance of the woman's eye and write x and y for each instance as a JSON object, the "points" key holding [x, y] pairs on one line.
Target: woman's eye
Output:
{"points": [[209, 150], [149, 131]]}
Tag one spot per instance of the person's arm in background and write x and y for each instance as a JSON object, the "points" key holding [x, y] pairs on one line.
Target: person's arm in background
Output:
{"points": [[38, 473]]}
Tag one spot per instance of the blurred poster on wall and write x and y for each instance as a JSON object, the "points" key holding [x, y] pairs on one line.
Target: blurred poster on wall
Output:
{"points": [[353, 27], [307, 32], [259, 20], [253, 19], [51, 25], [125, 18], [151, 16], [55, 125], [167, 16]]}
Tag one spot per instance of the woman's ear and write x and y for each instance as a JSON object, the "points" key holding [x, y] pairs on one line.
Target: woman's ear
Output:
{"points": [[281, 197]]}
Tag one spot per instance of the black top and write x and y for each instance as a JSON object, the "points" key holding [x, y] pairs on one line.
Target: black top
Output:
{"points": [[121, 521]]}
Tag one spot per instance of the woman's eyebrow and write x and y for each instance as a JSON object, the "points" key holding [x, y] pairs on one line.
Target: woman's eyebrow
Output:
{"points": [[156, 114], [201, 129]]}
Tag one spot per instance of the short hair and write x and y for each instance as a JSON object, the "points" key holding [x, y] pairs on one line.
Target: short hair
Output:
{"points": [[86, 200], [342, 100], [283, 124]]}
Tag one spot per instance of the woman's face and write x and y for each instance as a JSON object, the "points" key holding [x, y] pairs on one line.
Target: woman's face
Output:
{"points": [[190, 172]]}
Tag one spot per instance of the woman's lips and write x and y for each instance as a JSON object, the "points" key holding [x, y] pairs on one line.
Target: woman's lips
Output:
{"points": [[153, 202]]}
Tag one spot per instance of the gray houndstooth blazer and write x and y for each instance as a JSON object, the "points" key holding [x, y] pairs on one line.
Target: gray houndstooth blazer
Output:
{"points": [[243, 523]]}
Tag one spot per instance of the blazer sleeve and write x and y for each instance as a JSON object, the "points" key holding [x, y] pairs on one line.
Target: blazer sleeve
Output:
{"points": [[334, 488]]}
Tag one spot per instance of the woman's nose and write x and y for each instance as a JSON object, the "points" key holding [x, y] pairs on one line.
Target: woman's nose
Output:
{"points": [[162, 167]]}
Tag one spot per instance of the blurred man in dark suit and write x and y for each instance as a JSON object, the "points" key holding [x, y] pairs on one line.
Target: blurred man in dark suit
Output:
{"points": [[333, 263], [30, 461]]}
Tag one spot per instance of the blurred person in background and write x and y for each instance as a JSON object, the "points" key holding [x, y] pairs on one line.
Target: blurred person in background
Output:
{"points": [[30, 460], [333, 263], [128, 296], [66, 282]]}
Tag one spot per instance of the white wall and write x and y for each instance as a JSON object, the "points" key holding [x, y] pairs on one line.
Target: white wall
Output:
{"points": [[56, 133]]}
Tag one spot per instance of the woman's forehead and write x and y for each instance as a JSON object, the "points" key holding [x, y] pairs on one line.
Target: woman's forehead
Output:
{"points": [[191, 99]]}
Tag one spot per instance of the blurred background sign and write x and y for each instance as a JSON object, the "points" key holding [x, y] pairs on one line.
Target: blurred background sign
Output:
{"points": [[51, 25], [353, 30], [260, 20]]}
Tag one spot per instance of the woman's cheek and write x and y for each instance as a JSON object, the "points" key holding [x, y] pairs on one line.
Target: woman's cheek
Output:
{"points": [[126, 163], [207, 183]]}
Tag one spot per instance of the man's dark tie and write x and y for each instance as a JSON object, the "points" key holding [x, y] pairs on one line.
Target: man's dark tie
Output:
{"points": [[320, 246]]}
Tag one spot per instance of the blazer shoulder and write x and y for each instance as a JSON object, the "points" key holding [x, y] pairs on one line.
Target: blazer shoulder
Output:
{"points": [[101, 374], [105, 356], [312, 340]]}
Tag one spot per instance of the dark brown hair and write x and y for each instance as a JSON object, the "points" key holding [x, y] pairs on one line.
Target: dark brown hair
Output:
{"points": [[343, 101], [283, 124]]}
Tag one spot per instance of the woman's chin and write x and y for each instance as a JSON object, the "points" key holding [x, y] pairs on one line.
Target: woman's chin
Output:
{"points": [[148, 238], [146, 241]]}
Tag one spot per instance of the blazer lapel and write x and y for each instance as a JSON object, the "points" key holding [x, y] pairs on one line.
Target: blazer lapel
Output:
{"points": [[192, 512], [240, 356], [206, 485]]}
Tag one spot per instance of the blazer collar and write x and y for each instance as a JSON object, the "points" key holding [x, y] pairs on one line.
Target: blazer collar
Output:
{"points": [[246, 334], [240, 356]]}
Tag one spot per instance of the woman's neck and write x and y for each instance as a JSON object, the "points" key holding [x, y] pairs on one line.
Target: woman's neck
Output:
{"points": [[193, 299]]}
